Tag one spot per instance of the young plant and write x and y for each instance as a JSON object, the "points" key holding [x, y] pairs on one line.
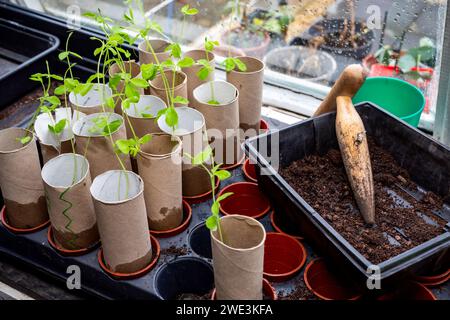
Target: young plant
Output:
{"points": [[201, 159], [207, 68]]}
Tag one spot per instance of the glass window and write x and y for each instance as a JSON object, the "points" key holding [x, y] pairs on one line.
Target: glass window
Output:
{"points": [[305, 43]]}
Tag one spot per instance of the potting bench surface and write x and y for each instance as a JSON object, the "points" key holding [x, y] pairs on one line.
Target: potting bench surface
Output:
{"points": [[30, 268]]}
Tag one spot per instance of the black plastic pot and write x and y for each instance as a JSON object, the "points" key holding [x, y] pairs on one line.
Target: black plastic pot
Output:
{"points": [[328, 26], [23, 51], [427, 161]]}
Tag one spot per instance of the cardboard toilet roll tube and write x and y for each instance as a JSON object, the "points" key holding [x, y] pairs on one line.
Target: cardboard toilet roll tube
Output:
{"points": [[98, 148], [250, 86], [20, 180], [222, 120], [67, 181], [142, 116], [159, 165], [122, 220], [192, 132], [159, 46], [238, 263], [193, 81], [52, 145], [130, 67], [178, 86], [93, 102]]}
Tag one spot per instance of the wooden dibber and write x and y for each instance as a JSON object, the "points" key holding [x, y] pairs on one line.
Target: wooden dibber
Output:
{"points": [[352, 139], [349, 82]]}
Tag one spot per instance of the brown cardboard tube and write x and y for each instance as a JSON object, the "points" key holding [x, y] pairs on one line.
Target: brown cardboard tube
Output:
{"points": [[20, 180], [238, 263], [122, 220], [130, 67], [67, 181], [193, 81], [348, 83], [159, 165], [250, 86], [142, 116], [159, 46], [98, 148], [192, 132], [93, 102], [178, 86], [222, 120]]}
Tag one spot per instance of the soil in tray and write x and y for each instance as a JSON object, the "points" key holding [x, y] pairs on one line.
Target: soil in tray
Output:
{"points": [[175, 251], [300, 292], [333, 40], [404, 216]]}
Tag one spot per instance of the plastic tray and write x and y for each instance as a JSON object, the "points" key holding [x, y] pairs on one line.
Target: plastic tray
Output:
{"points": [[23, 51], [427, 161]]}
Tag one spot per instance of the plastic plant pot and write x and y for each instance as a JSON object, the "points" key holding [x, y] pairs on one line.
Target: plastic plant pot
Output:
{"points": [[408, 108], [269, 292], [156, 251], [264, 126], [326, 285], [187, 216], [185, 278], [285, 230], [202, 197], [12, 229], [67, 252], [234, 165], [256, 51], [409, 291], [200, 241], [284, 256], [249, 170], [435, 279], [247, 200]]}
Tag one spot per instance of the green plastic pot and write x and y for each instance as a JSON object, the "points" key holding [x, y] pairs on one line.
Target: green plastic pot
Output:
{"points": [[396, 96]]}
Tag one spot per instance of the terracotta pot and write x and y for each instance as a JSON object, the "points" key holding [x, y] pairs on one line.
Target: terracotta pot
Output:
{"points": [[284, 257], [141, 116], [327, 285], [20, 180], [93, 102], [187, 217], [122, 221], [409, 291], [53, 145], [97, 148], [247, 200], [193, 81], [258, 51], [177, 84], [267, 288], [156, 251], [222, 120], [159, 46], [282, 228], [192, 132], [130, 67], [159, 165], [238, 263], [67, 181], [250, 86]]}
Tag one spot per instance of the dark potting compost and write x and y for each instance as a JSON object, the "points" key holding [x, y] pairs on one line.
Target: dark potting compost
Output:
{"points": [[403, 219]]}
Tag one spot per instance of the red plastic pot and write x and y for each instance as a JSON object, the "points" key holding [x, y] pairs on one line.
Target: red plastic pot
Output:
{"points": [[201, 197], [17, 230], [268, 291], [284, 257], [434, 279], [187, 216], [326, 285], [249, 170], [234, 165], [278, 229], [264, 125], [409, 291], [67, 252], [156, 250], [247, 200]]}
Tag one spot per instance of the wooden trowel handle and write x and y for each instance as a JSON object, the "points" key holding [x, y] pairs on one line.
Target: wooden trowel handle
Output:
{"points": [[349, 82]]}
